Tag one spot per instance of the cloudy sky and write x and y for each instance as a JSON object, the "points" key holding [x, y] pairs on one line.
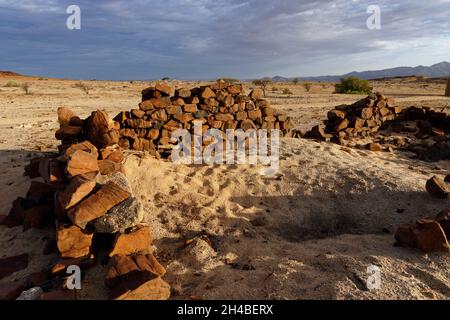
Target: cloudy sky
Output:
{"points": [[207, 39]]}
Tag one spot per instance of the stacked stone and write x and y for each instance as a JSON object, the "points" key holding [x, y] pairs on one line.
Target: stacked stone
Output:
{"points": [[86, 197], [361, 119], [219, 106]]}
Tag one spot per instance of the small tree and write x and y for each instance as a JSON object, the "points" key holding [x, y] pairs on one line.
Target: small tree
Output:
{"points": [[263, 83], [165, 79], [307, 86], [84, 87], [12, 84], [353, 85], [287, 91], [26, 87], [295, 81]]}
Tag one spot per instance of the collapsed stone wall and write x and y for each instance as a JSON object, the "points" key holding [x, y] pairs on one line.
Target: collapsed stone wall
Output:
{"points": [[90, 203], [219, 106]]}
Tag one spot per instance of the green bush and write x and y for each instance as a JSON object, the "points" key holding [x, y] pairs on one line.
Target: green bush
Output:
{"points": [[12, 84], [353, 85]]}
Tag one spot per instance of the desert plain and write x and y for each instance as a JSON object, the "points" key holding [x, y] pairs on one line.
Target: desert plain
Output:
{"points": [[310, 233]]}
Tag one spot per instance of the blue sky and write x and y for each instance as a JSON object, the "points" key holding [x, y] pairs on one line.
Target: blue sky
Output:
{"points": [[207, 39]]}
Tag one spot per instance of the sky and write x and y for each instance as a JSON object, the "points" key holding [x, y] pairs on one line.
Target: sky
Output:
{"points": [[208, 39]]}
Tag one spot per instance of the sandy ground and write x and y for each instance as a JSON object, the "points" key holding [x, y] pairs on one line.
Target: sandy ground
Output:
{"points": [[310, 234]]}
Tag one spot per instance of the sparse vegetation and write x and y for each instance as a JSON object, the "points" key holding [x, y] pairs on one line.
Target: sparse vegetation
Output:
{"points": [[307, 86], [263, 83], [229, 80], [274, 89], [295, 81], [12, 84], [353, 85], [83, 86], [26, 87], [287, 91], [165, 79]]}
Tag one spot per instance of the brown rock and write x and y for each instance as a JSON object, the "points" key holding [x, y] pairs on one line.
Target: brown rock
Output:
{"points": [[366, 113], [255, 114], [67, 117], [207, 93], [133, 242], [235, 89], [37, 217], [336, 114], [141, 144], [153, 134], [81, 162], [183, 93], [241, 115], [10, 290], [437, 187], [146, 105], [68, 132], [121, 267], [12, 264], [184, 117], [97, 205], [443, 218], [139, 124], [256, 94], [142, 286], [107, 166], [190, 108], [78, 188], [342, 125], [38, 191], [84, 263], [224, 117], [32, 169], [247, 125], [159, 115], [375, 147], [164, 88], [82, 146], [138, 113], [73, 242], [430, 237], [160, 103], [112, 155]]}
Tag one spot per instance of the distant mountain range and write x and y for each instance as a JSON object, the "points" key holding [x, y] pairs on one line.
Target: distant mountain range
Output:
{"points": [[438, 70]]}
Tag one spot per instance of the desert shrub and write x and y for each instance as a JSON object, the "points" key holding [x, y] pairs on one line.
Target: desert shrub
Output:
{"points": [[287, 91], [295, 81], [274, 89], [12, 84], [229, 80], [26, 88], [165, 79], [263, 83], [307, 86], [83, 86], [353, 85]]}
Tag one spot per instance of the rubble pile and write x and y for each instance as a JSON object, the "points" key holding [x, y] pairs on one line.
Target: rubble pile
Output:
{"points": [[362, 119], [85, 196]]}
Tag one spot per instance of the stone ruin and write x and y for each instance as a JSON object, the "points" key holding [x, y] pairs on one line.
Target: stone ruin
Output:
{"points": [[376, 116], [89, 201]]}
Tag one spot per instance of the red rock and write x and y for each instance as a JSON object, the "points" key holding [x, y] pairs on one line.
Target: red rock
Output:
{"points": [[13, 264], [443, 218], [59, 294], [79, 187], [73, 242], [84, 263], [39, 191], [207, 93], [164, 88], [81, 162], [120, 267], [142, 286], [437, 187], [145, 106], [426, 235], [32, 169], [97, 204], [38, 217], [67, 117], [430, 237], [107, 166], [134, 242], [10, 290], [68, 133], [82, 146], [375, 147]]}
